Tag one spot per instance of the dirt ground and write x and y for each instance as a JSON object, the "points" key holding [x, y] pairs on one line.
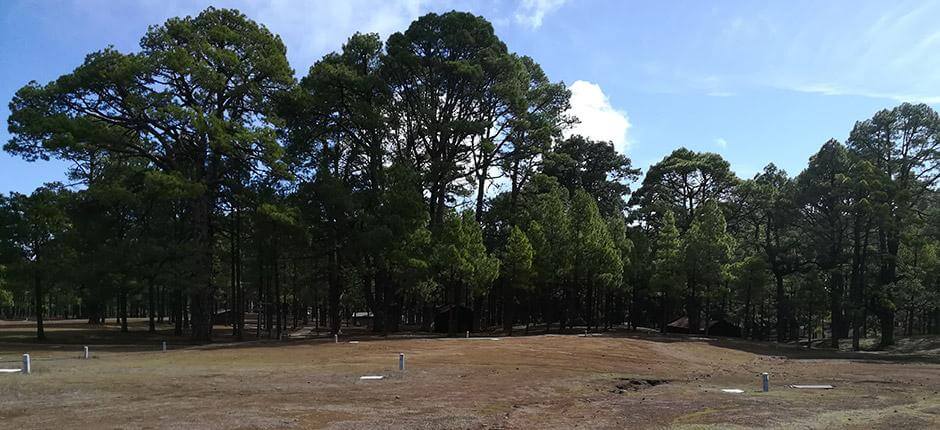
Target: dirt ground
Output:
{"points": [[615, 380]]}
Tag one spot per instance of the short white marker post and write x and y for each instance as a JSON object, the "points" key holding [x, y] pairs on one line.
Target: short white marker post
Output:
{"points": [[335, 338], [401, 361], [85, 353], [27, 367], [765, 378], [468, 334], [164, 346]]}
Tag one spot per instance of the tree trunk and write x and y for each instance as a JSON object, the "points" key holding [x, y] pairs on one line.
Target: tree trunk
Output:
{"points": [[836, 290], [37, 292], [780, 296], [122, 308], [259, 306], [481, 195], [857, 287], [334, 293], [663, 313], [934, 327], [509, 308], [178, 313], [888, 243], [239, 288], [233, 287], [748, 314], [692, 307], [161, 304], [278, 310], [200, 306], [886, 317], [809, 331], [910, 319], [200, 315], [151, 324], [393, 303]]}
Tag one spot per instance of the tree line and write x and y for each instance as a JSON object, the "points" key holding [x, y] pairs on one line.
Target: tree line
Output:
{"points": [[429, 174]]}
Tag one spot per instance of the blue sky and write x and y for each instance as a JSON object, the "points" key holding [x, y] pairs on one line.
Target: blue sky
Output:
{"points": [[757, 82]]}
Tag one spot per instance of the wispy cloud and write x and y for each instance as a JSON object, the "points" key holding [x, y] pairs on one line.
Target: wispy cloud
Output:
{"points": [[892, 58], [599, 120], [834, 90], [721, 143], [531, 12], [880, 50]]}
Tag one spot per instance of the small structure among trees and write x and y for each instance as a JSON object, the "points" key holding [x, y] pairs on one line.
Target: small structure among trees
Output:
{"points": [[715, 327], [362, 319], [462, 317]]}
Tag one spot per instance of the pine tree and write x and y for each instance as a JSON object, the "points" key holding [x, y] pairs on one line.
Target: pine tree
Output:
{"points": [[668, 263], [707, 246], [596, 260], [463, 266], [516, 271]]}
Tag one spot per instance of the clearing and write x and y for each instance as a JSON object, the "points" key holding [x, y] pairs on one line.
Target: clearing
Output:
{"points": [[615, 380]]}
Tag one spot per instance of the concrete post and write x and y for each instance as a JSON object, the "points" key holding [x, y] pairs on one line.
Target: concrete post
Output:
{"points": [[401, 361], [27, 365], [85, 354], [468, 334], [765, 378], [335, 338]]}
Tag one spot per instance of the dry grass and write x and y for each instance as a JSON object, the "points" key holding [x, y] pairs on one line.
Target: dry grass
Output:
{"points": [[521, 382]]}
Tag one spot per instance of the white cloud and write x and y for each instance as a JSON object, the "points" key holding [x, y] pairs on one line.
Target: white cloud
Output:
{"points": [[531, 12], [719, 94], [721, 142], [312, 29], [598, 119], [309, 29]]}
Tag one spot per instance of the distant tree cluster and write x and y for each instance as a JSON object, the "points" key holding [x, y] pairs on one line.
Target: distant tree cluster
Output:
{"points": [[426, 175]]}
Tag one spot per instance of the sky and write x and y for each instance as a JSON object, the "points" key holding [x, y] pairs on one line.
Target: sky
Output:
{"points": [[756, 82]]}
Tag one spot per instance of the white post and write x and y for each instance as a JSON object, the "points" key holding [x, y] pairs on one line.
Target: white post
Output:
{"points": [[85, 353], [765, 378], [468, 334], [335, 338], [401, 361], [164, 346], [27, 368]]}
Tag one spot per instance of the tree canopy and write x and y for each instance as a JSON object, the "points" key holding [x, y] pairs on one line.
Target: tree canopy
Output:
{"points": [[428, 180]]}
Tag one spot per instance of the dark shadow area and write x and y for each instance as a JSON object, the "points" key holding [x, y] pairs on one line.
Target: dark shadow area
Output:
{"points": [[71, 335], [786, 350]]}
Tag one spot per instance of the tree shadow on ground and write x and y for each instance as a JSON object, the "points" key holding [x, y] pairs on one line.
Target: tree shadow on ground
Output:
{"points": [[61, 336], [791, 351], [73, 334]]}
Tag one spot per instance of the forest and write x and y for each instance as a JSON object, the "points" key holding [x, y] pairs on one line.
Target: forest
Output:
{"points": [[431, 174]]}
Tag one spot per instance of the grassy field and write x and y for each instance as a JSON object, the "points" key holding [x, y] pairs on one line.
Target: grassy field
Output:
{"points": [[616, 380]]}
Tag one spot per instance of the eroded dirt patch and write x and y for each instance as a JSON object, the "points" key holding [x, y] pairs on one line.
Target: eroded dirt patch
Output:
{"points": [[624, 385]]}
